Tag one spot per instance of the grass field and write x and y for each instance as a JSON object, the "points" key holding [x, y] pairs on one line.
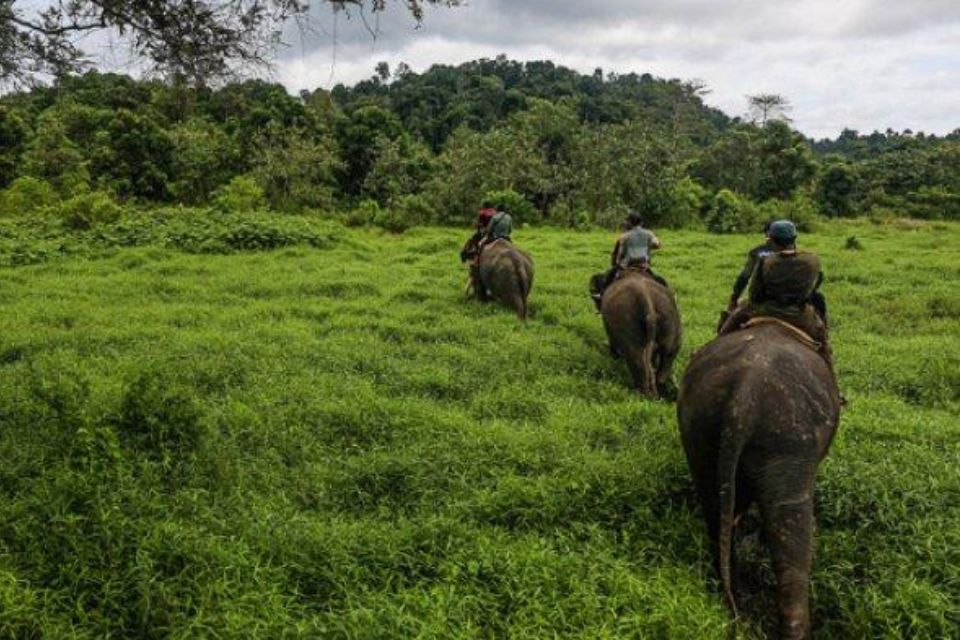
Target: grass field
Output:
{"points": [[332, 442]]}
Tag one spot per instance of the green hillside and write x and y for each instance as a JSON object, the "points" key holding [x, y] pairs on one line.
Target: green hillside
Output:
{"points": [[202, 439]]}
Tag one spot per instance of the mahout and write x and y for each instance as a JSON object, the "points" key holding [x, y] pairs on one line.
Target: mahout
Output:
{"points": [[498, 269], [639, 312]]}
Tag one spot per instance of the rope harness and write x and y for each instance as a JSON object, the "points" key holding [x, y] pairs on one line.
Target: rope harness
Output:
{"points": [[797, 332]]}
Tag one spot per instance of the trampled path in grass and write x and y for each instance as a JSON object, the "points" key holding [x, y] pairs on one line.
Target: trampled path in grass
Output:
{"points": [[333, 442]]}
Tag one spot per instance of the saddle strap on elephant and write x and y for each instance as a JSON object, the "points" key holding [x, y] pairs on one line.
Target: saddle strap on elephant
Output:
{"points": [[797, 332]]}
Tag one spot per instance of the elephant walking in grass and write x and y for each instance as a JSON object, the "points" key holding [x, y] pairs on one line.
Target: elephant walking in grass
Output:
{"points": [[643, 325], [503, 273], [758, 409]]}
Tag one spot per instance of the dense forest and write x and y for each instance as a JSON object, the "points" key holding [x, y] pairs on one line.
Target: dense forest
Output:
{"points": [[403, 148]]}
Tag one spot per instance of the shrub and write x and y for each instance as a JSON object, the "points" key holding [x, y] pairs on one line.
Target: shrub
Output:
{"points": [[732, 213], [240, 194], [89, 209], [800, 209], [611, 217], [392, 220], [570, 217], [686, 203], [363, 214], [159, 416], [26, 195], [413, 208], [519, 208]]}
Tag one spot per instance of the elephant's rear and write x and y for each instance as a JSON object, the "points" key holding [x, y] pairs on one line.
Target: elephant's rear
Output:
{"points": [[643, 325], [508, 273], [757, 411]]}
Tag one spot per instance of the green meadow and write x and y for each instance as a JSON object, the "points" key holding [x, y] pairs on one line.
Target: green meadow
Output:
{"points": [[203, 438]]}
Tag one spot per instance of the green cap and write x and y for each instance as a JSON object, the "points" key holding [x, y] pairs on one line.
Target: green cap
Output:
{"points": [[783, 232]]}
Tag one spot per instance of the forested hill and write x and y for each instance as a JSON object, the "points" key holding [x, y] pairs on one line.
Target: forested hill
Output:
{"points": [[403, 148], [482, 93]]}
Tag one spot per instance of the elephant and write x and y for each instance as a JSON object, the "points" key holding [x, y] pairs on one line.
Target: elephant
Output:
{"points": [[642, 322], [503, 273], [757, 410]]}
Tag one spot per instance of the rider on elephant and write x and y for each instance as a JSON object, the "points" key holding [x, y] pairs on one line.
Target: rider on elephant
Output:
{"points": [[632, 251], [500, 227], [492, 225], [756, 254], [784, 285]]}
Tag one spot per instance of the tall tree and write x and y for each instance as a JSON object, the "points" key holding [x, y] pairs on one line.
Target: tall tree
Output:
{"points": [[199, 40], [769, 106]]}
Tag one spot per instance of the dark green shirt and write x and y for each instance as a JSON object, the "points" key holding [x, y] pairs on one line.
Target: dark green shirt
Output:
{"points": [[501, 226]]}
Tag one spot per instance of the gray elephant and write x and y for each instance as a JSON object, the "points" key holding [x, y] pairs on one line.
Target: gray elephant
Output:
{"points": [[503, 273], [758, 409], [643, 325]]}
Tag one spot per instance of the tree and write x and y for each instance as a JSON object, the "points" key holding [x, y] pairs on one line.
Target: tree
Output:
{"points": [[769, 106], [14, 132], [786, 162], [51, 156], [296, 168], [204, 158], [199, 40], [836, 187]]}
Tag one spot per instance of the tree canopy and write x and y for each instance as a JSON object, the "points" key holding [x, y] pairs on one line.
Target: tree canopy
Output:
{"points": [[404, 147], [198, 40]]}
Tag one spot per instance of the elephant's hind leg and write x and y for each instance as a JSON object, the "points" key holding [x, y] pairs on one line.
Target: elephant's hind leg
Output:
{"points": [[787, 514]]}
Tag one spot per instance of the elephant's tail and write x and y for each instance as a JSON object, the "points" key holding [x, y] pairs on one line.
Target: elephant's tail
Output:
{"points": [[729, 456], [523, 287], [648, 328]]}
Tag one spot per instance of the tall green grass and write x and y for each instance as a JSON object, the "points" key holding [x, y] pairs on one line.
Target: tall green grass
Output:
{"points": [[330, 441]]}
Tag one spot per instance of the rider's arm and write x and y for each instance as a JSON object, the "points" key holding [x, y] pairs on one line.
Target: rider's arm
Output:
{"points": [[743, 278], [654, 241], [615, 255], [757, 289]]}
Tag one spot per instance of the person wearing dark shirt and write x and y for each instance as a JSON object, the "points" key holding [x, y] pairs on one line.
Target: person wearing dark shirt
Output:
{"points": [[782, 286], [743, 278]]}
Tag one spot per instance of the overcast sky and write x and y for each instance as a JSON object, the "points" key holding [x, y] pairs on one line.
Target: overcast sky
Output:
{"points": [[864, 64]]}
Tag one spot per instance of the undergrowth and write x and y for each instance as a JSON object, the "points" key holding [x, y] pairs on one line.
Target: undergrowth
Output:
{"points": [[327, 440]]}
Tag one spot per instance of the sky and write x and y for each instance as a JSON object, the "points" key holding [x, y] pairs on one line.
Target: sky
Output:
{"points": [[862, 64]]}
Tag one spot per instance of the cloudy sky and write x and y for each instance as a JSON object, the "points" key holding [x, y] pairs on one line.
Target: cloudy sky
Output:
{"points": [[865, 64]]}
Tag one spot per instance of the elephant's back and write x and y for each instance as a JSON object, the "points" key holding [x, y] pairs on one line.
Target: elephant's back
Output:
{"points": [[762, 372], [507, 261]]}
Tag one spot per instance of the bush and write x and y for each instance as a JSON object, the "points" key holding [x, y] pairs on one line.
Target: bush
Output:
{"points": [[26, 195], [520, 209], [933, 202], [800, 209], [240, 194], [89, 209], [732, 213], [686, 204], [160, 416], [363, 214], [570, 217], [413, 208], [392, 221], [612, 217]]}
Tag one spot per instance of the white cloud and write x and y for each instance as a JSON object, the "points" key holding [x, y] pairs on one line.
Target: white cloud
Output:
{"points": [[865, 64]]}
